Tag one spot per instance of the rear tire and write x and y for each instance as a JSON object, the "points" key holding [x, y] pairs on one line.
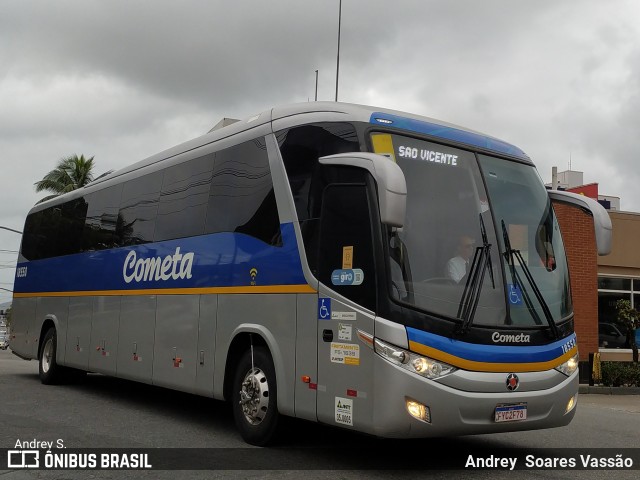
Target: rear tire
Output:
{"points": [[50, 372], [255, 398]]}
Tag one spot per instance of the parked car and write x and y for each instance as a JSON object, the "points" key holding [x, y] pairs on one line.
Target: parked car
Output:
{"points": [[610, 336], [4, 342]]}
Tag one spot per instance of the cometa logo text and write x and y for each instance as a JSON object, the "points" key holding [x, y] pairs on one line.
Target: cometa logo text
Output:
{"points": [[521, 338], [176, 266]]}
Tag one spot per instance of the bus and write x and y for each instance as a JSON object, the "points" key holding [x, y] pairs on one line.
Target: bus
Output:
{"points": [[296, 263]]}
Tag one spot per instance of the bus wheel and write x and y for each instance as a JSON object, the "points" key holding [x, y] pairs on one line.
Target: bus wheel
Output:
{"points": [[50, 372], [254, 398]]}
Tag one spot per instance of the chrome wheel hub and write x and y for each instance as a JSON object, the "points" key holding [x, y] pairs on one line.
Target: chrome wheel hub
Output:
{"points": [[47, 353], [254, 396]]}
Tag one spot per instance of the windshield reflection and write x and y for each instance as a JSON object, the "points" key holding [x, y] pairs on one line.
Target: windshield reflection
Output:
{"points": [[449, 223]]}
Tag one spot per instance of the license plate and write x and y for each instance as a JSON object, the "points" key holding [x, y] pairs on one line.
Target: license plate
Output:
{"points": [[511, 412]]}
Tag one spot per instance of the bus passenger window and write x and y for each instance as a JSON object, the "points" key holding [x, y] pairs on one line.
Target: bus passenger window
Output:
{"points": [[183, 199], [241, 198], [102, 219], [138, 209]]}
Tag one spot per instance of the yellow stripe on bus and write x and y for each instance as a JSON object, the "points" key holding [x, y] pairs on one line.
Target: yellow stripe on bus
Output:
{"points": [[490, 367], [175, 291]]}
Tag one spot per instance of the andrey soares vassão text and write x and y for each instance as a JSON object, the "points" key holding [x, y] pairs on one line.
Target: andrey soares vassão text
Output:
{"points": [[582, 461]]}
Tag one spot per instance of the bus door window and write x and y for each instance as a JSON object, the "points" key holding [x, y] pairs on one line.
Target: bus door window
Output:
{"points": [[300, 148], [346, 253]]}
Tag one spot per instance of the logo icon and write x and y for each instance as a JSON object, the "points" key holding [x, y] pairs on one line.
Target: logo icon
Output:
{"points": [[324, 309], [515, 295], [253, 273], [513, 382], [23, 459], [347, 277]]}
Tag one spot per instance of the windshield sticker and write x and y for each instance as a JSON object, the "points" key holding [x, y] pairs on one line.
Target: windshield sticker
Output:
{"points": [[383, 145], [344, 411], [515, 294], [345, 353], [428, 155], [347, 277], [347, 257], [344, 331], [324, 309]]}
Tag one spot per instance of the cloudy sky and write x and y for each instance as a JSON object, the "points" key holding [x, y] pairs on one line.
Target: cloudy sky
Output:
{"points": [[121, 80]]}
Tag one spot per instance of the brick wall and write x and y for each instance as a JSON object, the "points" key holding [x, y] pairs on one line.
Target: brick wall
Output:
{"points": [[580, 244]]}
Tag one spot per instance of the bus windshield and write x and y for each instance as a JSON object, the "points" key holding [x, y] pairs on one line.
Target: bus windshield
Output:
{"points": [[534, 255], [450, 257]]}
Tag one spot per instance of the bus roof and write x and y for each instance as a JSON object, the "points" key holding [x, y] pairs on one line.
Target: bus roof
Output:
{"points": [[314, 112]]}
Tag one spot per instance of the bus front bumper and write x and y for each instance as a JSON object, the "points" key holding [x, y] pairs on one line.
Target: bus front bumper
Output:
{"points": [[455, 412]]}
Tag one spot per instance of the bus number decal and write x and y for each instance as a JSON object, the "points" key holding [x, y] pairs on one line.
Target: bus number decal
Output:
{"points": [[344, 411], [21, 272], [569, 345]]}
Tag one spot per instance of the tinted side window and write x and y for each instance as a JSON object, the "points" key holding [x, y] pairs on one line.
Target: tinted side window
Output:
{"points": [[348, 228], [37, 229], [300, 148], [183, 199], [54, 231], [241, 197], [138, 209], [102, 219], [69, 234]]}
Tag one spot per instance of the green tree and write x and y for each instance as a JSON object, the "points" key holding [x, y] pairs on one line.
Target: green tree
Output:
{"points": [[71, 173], [630, 318]]}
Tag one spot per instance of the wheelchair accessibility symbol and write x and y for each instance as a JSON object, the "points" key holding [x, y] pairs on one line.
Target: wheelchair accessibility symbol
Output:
{"points": [[324, 309], [515, 295]]}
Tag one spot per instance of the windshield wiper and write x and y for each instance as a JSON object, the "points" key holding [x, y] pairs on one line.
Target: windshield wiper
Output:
{"points": [[475, 280], [510, 255]]}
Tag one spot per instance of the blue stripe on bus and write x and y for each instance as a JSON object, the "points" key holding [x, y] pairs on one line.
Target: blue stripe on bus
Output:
{"points": [[448, 133], [492, 353], [219, 260]]}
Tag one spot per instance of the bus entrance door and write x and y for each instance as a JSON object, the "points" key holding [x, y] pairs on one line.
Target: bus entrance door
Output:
{"points": [[346, 303]]}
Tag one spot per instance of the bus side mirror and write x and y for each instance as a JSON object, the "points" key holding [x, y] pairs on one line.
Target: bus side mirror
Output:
{"points": [[601, 219], [392, 187]]}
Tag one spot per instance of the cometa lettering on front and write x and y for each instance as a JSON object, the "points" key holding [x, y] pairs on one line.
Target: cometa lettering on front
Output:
{"points": [[176, 266], [521, 338]]}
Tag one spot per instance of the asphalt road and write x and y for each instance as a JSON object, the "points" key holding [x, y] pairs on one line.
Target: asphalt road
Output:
{"points": [[106, 413]]}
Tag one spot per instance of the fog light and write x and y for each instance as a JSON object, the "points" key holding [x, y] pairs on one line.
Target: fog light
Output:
{"points": [[418, 410], [571, 403]]}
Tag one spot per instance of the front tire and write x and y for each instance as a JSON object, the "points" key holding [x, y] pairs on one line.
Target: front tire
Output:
{"points": [[255, 398]]}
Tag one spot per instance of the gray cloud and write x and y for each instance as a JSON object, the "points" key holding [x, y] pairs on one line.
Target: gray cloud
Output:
{"points": [[122, 80]]}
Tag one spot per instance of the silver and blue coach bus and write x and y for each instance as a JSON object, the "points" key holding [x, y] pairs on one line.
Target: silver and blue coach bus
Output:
{"points": [[295, 263]]}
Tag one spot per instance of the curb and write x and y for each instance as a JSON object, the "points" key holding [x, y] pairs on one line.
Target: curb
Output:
{"points": [[587, 389]]}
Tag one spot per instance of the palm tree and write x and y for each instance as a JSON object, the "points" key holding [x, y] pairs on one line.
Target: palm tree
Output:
{"points": [[71, 173]]}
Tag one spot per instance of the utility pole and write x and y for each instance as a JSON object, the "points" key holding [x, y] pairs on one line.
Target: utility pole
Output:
{"points": [[316, 85], [338, 56]]}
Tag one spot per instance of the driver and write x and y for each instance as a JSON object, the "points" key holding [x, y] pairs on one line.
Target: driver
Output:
{"points": [[458, 266]]}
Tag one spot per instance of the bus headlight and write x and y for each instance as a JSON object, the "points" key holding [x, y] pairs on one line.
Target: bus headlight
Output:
{"points": [[569, 366], [424, 366]]}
